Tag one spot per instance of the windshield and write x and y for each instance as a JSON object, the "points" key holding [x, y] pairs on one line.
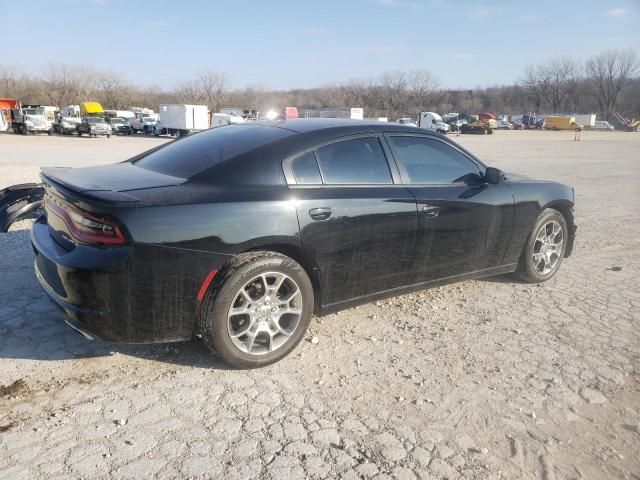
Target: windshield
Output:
{"points": [[190, 156], [117, 120], [94, 120], [34, 111]]}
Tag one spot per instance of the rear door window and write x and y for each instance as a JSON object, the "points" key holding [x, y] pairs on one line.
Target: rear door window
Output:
{"points": [[359, 161]]}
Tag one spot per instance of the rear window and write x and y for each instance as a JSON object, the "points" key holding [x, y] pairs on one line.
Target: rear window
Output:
{"points": [[195, 154]]}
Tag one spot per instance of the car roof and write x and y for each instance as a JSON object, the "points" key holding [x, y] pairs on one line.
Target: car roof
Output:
{"points": [[339, 125]]}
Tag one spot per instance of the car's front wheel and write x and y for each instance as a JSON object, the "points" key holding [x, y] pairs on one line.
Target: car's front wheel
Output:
{"points": [[545, 248], [257, 310]]}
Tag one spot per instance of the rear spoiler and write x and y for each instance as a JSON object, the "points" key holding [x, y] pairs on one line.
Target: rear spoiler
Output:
{"points": [[18, 202]]}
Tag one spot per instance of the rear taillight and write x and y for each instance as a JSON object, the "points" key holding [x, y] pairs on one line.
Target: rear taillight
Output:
{"points": [[85, 226]]}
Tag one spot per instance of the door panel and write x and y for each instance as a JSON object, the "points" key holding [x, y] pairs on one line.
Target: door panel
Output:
{"points": [[362, 238], [470, 231], [464, 223]]}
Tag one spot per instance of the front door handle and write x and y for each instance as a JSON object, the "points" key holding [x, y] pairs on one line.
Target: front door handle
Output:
{"points": [[430, 211], [320, 213]]}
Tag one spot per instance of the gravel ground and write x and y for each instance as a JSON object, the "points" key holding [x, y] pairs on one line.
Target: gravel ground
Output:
{"points": [[484, 379]]}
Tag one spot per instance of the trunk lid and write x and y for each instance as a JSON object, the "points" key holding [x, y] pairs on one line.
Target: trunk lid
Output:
{"points": [[94, 195], [119, 177]]}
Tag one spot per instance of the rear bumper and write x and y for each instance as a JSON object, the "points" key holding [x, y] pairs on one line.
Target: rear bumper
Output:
{"points": [[130, 294]]}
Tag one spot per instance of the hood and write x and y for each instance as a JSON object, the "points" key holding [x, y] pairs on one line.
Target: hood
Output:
{"points": [[70, 119]]}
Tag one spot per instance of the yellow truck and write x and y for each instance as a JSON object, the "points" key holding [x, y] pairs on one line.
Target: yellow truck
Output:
{"points": [[562, 123], [91, 109]]}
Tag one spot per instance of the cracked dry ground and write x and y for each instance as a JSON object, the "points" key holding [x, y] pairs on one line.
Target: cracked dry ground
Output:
{"points": [[484, 379]]}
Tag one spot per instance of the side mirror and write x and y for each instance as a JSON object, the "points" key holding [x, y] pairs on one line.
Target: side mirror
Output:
{"points": [[493, 175]]}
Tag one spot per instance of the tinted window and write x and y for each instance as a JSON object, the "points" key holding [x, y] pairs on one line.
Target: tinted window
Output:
{"points": [[357, 161], [425, 160], [195, 154], [305, 169]]}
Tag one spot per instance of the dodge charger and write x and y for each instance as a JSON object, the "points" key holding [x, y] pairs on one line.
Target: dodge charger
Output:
{"points": [[239, 234]]}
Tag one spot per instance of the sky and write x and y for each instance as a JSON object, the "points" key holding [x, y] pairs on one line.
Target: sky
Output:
{"points": [[306, 43]]}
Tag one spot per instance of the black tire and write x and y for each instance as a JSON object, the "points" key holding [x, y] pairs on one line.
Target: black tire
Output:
{"points": [[526, 269], [218, 300]]}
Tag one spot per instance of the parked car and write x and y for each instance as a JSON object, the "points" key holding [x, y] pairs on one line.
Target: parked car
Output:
{"points": [[407, 121], [602, 125], [240, 233], [120, 126], [94, 126]]}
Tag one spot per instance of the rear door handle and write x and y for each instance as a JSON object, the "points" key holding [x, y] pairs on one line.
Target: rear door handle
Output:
{"points": [[320, 213], [430, 211]]}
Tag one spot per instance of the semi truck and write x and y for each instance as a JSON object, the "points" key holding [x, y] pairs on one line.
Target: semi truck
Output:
{"points": [[181, 120], [432, 121], [69, 120], [27, 119], [91, 109]]}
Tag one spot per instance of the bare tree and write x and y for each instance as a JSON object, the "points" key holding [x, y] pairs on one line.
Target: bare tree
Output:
{"points": [[609, 72], [214, 89], [563, 77], [393, 93], [422, 87], [66, 84], [115, 89], [537, 85]]}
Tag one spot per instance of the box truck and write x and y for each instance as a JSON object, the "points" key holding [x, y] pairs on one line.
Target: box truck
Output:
{"points": [[561, 123], [181, 120], [588, 120]]}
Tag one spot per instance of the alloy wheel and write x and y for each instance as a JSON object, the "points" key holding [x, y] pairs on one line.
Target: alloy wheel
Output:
{"points": [[547, 247], [264, 313]]}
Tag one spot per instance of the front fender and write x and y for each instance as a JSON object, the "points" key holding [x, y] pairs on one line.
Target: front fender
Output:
{"points": [[18, 201], [531, 198]]}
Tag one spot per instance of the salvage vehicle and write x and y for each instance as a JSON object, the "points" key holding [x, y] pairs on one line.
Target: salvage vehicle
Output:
{"points": [[119, 126], [91, 109], [432, 121], [31, 119], [239, 234], [602, 125], [94, 126], [6, 105], [181, 120], [484, 123], [561, 123]]}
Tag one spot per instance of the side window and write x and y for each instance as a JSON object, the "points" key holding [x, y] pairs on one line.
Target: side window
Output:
{"points": [[429, 161], [359, 161], [305, 169]]}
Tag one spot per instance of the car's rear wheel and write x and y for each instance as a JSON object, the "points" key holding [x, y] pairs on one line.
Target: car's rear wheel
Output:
{"points": [[545, 248], [257, 310]]}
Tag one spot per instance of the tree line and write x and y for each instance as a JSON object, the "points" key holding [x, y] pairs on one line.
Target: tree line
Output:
{"points": [[607, 82]]}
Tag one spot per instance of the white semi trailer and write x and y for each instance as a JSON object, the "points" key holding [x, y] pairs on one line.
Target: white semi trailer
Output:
{"points": [[181, 120]]}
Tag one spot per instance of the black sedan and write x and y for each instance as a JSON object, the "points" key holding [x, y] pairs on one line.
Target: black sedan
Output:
{"points": [[240, 233]]}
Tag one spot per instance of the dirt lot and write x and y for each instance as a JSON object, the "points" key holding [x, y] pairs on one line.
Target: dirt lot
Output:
{"points": [[484, 379]]}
